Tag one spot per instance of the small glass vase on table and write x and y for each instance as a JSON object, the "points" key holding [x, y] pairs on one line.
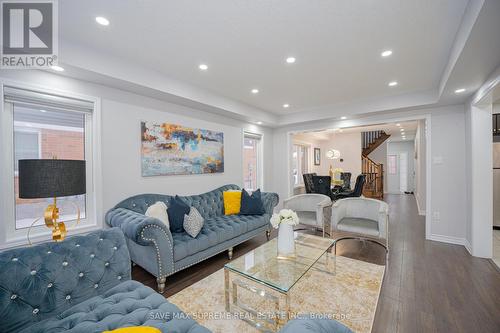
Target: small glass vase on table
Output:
{"points": [[284, 221]]}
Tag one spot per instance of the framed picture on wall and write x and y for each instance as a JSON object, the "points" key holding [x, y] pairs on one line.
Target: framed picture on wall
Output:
{"points": [[317, 156]]}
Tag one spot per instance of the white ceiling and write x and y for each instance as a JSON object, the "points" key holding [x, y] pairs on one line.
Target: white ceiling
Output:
{"points": [[337, 45], [393, 129]]}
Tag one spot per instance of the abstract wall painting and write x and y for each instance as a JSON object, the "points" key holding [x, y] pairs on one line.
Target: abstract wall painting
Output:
{"points": [[169, 149]]}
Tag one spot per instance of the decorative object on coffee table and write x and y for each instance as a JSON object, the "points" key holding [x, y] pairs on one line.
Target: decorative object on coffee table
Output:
{"points": [[51, 178], [284, 222]]}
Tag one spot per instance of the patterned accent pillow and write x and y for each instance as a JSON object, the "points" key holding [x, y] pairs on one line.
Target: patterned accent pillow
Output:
{"points": [[193, 222]]}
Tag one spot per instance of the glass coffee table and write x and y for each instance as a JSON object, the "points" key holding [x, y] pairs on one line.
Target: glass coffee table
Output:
{"points": [[263, 276]]}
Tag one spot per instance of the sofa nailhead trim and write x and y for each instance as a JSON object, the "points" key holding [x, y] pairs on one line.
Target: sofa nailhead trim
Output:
{"points": [[157, 248]]}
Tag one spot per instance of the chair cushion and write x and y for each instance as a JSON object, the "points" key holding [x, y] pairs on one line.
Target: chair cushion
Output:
{"points": [[128, 304], [215, 231], [176, 212], [251, 204], [359, 225]]}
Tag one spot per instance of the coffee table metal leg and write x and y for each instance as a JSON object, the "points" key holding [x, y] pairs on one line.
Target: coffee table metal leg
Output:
{"points": [[226, 289]]}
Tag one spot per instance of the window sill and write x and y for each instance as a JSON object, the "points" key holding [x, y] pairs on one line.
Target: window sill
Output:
{"points": [[46, 236]]}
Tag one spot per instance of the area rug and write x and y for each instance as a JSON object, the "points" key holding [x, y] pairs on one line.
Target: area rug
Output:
{"points": [[350, 295]]}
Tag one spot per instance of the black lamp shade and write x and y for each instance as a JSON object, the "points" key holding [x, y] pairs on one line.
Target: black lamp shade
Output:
{"points": [[49, 178]]}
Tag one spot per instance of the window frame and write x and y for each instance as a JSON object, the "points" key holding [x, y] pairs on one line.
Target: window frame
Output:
{"points": [[26, 130], [260, 162], [300, 167], [9, 236]]}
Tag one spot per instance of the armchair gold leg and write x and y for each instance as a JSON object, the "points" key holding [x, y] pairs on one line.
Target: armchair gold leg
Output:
{"points": [[230, 253], [161, 284]]}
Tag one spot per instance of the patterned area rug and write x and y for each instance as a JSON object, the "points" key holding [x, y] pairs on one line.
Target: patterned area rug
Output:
{"points": [[341, 288]]}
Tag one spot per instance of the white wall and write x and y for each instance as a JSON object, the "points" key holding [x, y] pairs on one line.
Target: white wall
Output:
{"points": [[349, 145], [120, 136], [393, 181]]}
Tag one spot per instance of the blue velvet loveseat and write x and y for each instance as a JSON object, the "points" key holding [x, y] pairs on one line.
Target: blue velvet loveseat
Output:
{"points": [[162, 253], [81, 285]]}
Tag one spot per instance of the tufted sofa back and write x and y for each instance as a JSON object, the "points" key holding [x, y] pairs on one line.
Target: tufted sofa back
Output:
{"points": [[42, 281], [209, 204]]}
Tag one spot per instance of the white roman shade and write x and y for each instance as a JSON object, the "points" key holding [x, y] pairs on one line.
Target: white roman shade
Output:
{"points": [[44, 100]]}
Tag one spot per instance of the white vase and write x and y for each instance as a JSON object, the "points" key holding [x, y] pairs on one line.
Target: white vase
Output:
{"points": [[286, 242]]}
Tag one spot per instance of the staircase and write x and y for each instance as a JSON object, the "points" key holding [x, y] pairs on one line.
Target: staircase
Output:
{"points": [[371, 140], [374, 172]]}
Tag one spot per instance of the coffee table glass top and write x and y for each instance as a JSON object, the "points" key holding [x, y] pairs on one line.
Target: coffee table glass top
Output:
{"points": [[262, 264]]}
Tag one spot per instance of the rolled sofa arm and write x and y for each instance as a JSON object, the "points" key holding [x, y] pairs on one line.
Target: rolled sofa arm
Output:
{"points": [[146, 231], [270, 200]]}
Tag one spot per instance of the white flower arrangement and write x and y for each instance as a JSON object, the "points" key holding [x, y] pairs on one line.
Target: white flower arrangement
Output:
{"points": [[285, 216]]}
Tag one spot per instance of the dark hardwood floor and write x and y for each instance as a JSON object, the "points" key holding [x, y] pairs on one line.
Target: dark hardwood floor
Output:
{"points": [[428, 286]]}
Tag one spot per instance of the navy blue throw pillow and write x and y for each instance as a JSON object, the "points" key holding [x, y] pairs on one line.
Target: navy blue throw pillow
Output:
{"points": [[251, 204], [176, 212]]}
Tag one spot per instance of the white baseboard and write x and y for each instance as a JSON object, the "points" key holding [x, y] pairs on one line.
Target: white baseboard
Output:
{"points": [[450, 240], [468, 246], [420, 211]]}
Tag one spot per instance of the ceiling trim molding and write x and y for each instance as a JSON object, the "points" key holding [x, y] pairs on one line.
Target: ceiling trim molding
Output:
{"points": [[469, 18]]}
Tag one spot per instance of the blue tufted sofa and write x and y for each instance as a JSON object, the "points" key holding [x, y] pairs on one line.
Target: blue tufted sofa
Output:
{"points": [[162, 253], [81, 285]]}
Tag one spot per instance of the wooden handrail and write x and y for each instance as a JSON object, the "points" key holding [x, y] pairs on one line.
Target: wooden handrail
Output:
{"points": [[374, 173]]}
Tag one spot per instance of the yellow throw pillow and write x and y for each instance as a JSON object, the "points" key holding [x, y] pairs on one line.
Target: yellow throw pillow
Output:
{"points": [[135, 329], [232, 202]]}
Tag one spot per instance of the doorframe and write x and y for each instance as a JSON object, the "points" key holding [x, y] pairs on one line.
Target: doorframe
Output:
{"points": [[480, 172], [374, 120]]}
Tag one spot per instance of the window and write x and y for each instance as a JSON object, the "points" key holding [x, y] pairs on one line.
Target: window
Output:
{"points": [[27, 143], [392, 164], [300, 163], [39, 125], [251, 161], [39, 133]]}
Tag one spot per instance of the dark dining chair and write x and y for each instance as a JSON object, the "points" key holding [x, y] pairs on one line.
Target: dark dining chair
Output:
{"points": [[322, 185], [346, 179], [357, 192], [308, 182]]}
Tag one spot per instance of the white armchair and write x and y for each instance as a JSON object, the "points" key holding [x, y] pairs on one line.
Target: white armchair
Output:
{"points": [[361, 216], [313, 209]]}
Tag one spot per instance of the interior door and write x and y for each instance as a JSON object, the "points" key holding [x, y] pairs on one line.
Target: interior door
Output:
{"points": [[403, 172]]}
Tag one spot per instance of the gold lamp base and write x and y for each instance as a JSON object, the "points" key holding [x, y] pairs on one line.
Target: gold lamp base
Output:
{"points": [[58, 228]]}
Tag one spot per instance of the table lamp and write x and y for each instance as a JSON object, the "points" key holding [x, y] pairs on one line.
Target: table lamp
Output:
{"points": [[51, 178]]}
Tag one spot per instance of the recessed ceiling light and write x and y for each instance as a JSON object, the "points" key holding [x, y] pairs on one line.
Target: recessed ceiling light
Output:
{"points": [[386, 53], [341, 130], [290, 60], [398, 125], [259, 123], [102, 20], [459, 91], [255, 91], [203, 67], [343, 118], [43, 111], [57, 68], [286, 105], [393, 83], [402, 129]]}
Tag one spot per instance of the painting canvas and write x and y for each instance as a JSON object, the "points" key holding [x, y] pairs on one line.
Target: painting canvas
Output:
{"points": [[317, 156], [169, 149]]}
